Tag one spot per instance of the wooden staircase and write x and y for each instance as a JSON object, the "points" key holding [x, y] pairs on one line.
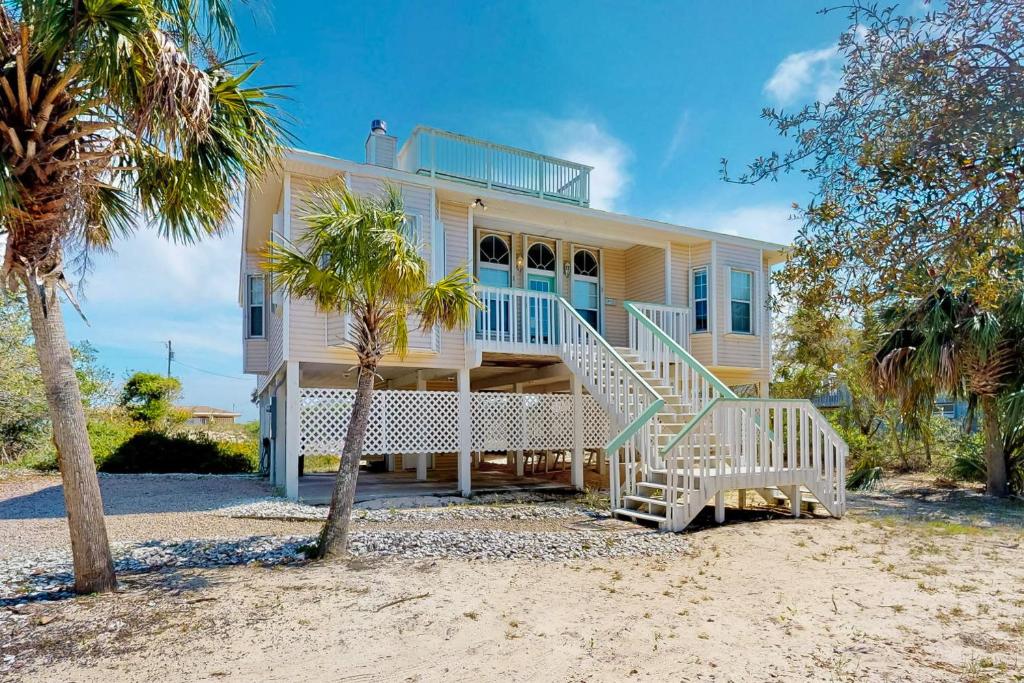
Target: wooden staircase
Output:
{"points": [[707, 441]]}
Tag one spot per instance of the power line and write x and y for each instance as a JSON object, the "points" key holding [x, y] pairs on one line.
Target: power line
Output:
{"points": [[211, 372]]}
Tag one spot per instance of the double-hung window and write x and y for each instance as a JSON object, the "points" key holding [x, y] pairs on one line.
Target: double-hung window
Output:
{"points": [[700, 300], [740, 300], [254, 306]]}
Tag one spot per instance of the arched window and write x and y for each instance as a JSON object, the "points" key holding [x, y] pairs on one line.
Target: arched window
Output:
{"points": [[584, 263], [586, 286], [540, 257], [494, 250]]}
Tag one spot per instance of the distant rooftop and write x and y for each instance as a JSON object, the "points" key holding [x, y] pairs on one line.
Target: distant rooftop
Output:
{"points": [[209, 411], [441, 154]]}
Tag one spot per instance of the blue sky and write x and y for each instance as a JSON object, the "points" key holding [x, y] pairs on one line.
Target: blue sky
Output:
{"points": [[650, 94]]}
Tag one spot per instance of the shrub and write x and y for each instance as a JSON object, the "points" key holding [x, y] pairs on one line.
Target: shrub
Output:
{"points": [[107, 432], [154, 452], [148, 397]]}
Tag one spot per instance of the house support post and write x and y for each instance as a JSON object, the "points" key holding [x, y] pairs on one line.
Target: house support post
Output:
{"points": [[794, 494], [465, 432], [291, 471], [577, 432], [421, 458], [520, 454], [720, 507]]}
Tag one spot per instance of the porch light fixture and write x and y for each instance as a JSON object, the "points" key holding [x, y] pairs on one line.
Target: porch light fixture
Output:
{"points": [[565, 268], [479, 203], [519, 262]]}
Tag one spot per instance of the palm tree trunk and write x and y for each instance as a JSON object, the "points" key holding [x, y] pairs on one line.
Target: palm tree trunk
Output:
{"points": [[90, 550], [997, 483], [334, 537]]}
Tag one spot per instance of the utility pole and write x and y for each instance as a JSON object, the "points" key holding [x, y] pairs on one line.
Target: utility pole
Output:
{"points": [[170, 357]]}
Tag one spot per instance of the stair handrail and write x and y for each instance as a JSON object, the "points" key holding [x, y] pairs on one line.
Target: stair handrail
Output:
{"points": [[673, 345], [635, 426], [623, 365], [771, 441]]}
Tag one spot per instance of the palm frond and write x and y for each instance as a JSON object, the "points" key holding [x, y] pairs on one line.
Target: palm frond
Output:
{"points": [[357, 253], [449, 302]]}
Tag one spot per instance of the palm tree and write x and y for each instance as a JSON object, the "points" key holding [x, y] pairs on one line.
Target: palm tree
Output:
{"points": [[359, 257], [948, 343], [113, 115]]}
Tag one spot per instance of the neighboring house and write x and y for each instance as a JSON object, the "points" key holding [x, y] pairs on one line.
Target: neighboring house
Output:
{"points": [[600, 332], [839, 397], [204, 415]]}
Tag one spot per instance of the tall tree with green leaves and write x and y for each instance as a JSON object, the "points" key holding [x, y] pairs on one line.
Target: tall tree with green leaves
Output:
{"points": [[114, 114], [916, 162], [149, 397], [359, 256], [22, 402], [917, 167]]}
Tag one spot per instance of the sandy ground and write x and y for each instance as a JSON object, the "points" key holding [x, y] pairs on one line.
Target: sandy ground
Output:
{"points": [[893, 592]]}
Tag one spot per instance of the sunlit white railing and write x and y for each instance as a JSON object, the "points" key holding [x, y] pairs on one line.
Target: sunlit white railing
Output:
{"points": [[517, 321], [628, 398], [672, 320], [669, 360], [524, 321], [755, 443], [438, 153]]}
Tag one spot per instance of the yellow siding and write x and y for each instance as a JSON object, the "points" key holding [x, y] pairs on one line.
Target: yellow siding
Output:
{"points": [[254, 351], [680, 275], [645, 274], [308, 328], [737, 350], [701, 343], [615, 326]]}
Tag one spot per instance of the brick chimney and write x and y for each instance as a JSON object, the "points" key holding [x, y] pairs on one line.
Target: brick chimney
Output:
{"points": [[381, 148]]}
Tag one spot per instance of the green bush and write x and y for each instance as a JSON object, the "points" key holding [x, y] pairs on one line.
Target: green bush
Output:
{"points": [[107, 432], [155, 452]]}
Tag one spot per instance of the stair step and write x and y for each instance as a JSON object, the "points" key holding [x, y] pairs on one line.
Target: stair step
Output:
{"points": [[636, 514], [644, 499]]}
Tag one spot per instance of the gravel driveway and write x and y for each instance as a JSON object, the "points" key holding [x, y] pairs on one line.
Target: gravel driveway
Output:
{"points": [[138, 508]]}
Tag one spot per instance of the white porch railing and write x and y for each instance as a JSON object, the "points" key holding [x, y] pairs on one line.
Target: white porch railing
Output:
{"points": [[669, 360], [754, 443], [427, 421], [438, 153], [524, 321], [673, 320], [517, 321]]}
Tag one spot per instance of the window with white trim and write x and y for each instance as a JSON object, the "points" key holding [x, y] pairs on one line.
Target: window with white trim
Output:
{"points": [[741, 289], [586, 286], [255, 320], [700, 300]]}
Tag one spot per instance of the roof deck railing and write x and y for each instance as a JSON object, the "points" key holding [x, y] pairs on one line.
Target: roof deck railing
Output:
{"points": [[440, 154]]}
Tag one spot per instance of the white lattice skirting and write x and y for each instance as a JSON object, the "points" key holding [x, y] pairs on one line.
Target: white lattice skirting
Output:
{"points": [[427, 421]]}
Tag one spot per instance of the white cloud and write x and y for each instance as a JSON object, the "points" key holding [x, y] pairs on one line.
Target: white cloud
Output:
{"points": [[149, 269], [814, 74], [769, 221], [586, 142]]}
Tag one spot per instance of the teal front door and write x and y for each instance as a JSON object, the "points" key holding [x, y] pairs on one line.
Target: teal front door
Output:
{"points": [[493, 321], [541, 311]]}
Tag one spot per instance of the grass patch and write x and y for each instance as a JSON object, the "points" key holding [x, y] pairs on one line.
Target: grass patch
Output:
{"points": [[321, 463]]}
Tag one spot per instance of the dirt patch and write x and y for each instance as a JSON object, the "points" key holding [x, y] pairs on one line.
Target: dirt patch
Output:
{"points": [[892, 592]]}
